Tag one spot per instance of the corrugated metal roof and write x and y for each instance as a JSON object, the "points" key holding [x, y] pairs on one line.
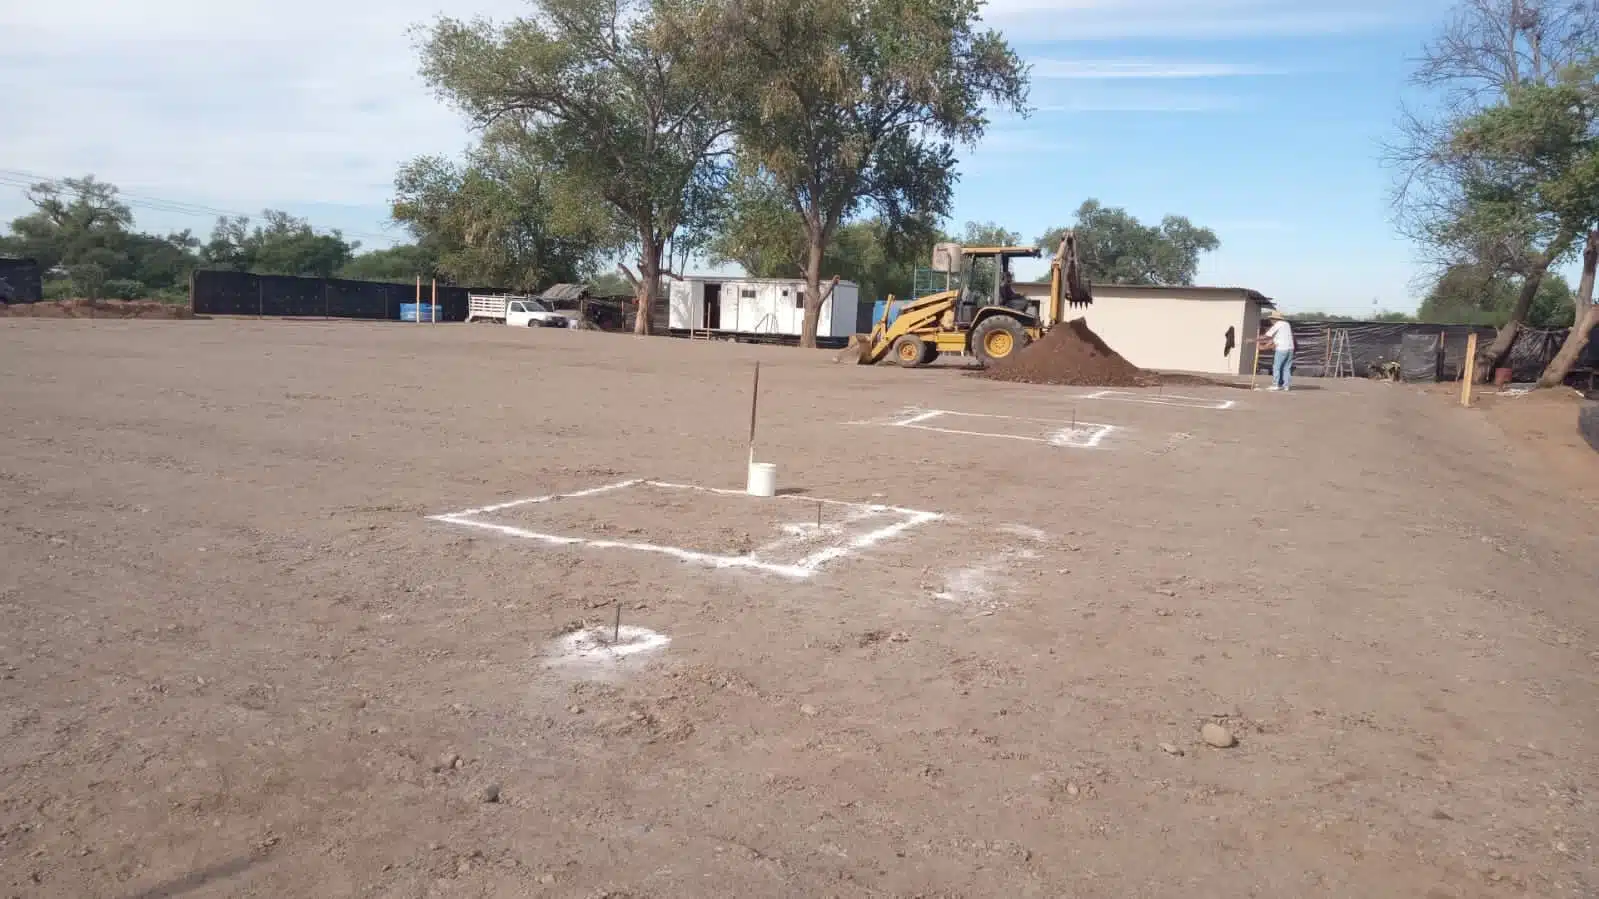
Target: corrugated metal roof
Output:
{"points": [[558, 292]]}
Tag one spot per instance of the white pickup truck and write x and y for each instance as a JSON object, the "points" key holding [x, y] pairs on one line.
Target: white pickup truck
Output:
{"points": [[518, 312]]}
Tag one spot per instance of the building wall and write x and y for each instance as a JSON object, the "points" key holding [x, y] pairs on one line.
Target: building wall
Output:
{"points": [[1173, 333]]}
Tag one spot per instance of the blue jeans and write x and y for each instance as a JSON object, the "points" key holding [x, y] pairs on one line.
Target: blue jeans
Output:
{"points": [[1282, 368]]}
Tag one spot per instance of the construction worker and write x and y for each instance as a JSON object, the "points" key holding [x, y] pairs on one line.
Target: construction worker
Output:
{"points": [[1279, 338], [1008, 296]]}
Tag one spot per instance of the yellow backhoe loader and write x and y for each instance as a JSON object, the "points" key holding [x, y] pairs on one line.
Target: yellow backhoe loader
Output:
{"points": [[988, 320]]}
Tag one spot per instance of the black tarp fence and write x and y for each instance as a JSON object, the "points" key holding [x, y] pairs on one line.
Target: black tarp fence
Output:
{"points": [[25, 277], [241, 293], [1373, 343]]}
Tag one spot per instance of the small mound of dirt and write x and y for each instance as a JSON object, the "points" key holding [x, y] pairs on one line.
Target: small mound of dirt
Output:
{"points": [[1073, 355], [96, 309]]}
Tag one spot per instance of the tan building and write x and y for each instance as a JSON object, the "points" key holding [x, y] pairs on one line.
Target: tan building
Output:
{"points": [[1174, 328]]}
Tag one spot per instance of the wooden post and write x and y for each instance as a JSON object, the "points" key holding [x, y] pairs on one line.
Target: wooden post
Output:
{"points": [[418, 299], [755, 399], [433, 315], [1254, 368], [1471, 369]]}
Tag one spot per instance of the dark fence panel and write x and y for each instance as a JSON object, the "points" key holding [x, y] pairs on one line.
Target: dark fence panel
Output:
{"points": [[224, 293], [1374, 343], [238, 293], [25, 277], [358, 299], [289, 296]]}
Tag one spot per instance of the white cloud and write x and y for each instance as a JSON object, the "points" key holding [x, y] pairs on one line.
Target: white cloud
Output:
{"points": [[1093, 20], [1101, 69], [235, 105]]}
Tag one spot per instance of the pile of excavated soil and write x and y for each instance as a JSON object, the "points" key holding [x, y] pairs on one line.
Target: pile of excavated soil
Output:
{"points": [[95, 309], [1073, 355]]}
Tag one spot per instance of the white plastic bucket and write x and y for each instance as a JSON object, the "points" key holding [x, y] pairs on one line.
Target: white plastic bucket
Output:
{"points": [[763, 479]]}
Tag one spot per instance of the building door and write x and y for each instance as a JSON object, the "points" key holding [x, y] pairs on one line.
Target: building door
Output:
{"points": [[713, 307]]}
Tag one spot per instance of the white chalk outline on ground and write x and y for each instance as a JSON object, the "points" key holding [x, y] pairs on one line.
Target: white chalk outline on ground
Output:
{"points": [[1081, 435], [975, 584], [804, 568], [593, 646], [1163, 399]]}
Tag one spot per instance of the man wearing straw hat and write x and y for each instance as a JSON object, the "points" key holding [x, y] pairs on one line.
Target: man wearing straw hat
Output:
{"points": [[1279, 337]]}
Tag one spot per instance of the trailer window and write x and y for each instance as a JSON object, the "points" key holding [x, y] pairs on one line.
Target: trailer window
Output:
{"points": [[799, 298], [747, 293]]}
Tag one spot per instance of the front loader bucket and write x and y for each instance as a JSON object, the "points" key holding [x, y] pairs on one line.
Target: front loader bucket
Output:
{"points": [[852, 350], [858, 350]]}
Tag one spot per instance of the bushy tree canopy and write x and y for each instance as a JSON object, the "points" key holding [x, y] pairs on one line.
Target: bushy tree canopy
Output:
{"points": [[1117, 248]]}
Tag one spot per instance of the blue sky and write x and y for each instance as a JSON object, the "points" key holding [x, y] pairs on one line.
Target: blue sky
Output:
{"points": [[1262, 119]]}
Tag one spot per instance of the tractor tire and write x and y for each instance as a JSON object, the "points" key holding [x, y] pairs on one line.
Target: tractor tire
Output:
{"points": [[911, 351], [929, 353], [997, 339]]}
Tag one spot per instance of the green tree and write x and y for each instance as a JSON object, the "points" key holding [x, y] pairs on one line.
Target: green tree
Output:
{"points": [[81, 225], [1467, 190], [491, 221], [880, 257], [761, 232], [1470, 295], [283, 245], [73, 219], [614, 96], [848, 105], [1117, 248], [401, 263], [1531, 178]]}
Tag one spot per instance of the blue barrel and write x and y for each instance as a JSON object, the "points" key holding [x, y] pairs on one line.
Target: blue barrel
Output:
{"points": [[409, 311]]}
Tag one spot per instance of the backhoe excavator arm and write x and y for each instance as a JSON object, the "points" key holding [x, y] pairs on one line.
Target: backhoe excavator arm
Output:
{"points": [[1067, 286]]}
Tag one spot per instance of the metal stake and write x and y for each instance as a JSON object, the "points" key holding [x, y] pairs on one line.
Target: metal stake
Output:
{"points": [[616, 633]]}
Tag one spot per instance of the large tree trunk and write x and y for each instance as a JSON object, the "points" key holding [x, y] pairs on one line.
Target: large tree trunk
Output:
{"points": [[813, 290], [1587, 316], [1490, 358], [649, 283]]}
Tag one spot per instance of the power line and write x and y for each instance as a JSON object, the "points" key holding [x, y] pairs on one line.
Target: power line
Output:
{"points": [[24, 180]]}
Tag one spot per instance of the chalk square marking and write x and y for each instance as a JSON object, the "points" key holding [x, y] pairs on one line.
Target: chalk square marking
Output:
{"points": [[1162, 399], [801, 549], [1053, 431]]}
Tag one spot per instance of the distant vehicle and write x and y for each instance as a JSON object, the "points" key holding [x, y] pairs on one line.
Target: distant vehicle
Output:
{"points": [[534, 314]]}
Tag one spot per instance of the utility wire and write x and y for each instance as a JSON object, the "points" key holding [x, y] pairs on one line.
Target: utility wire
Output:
{"points": [[24, 181]]}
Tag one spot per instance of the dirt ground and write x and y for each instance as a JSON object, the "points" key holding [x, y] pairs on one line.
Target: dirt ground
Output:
{"points": [[1542, 425], [240, 656]]}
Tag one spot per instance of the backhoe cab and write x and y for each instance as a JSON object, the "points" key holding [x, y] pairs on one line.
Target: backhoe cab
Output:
{"points": [[980, 311]]}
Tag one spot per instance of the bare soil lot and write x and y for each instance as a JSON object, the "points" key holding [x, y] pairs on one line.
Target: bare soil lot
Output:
{"points": [[241, 654]]}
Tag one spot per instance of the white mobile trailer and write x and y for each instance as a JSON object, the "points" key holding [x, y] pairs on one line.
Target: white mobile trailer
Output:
{"points": [[771, 307]]}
